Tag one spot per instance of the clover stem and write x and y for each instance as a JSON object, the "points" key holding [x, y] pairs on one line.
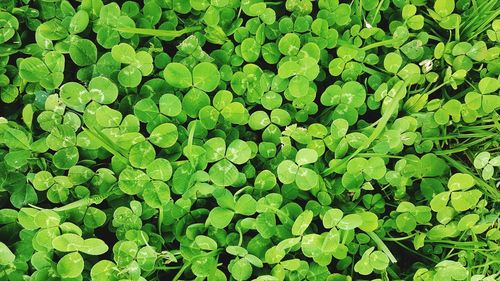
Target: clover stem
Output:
{"points": [[179, 163], [377, 44], [436, 88], [96, 199], [478, 127], [341, 42], [373, 71], [475, 249], [190, 141], [382, 122], [273, 3], [35, 207], [158, 32], [240, 241], [485, 264], [435, 38], [399, 238], [241, 190], [464, 243], [106, 143], [168, 267], [379, 6], [393, 274], [415, 252], [160, 219], [381, 245], [359, 9], [179, 273], [84, 202]]}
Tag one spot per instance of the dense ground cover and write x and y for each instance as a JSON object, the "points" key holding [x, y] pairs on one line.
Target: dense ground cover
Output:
{"points": [[249, 140]]}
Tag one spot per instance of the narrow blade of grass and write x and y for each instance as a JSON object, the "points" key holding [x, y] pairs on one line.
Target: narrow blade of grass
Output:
{"points": [[158, 32]]}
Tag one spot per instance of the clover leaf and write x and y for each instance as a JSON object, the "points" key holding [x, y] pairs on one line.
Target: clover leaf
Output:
{"points": [[249, 140], [370, 261]]}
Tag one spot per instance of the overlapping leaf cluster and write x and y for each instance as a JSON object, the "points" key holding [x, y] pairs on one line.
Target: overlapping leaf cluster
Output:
{"points": [[249, 140]]}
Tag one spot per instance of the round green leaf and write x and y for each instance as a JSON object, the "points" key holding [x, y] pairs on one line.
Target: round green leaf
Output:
{"points": [[238, 152], [68, 242], [170, 105], [66, 158], [123, 53], [250, 50], [6, 255], [306, 178], [79, 22], [392, 62], [33, 69], [444, 7], [236, 113], [130, 76], [132, 181], [350, 221], [156, 194], [265, 180], [108, 117], [406, 222], [103, 90], [94, 246], [302, 222], [194, 101], [220, 217], [241, 270], [460, 181], [70, 266], [103, 270], [159, 169], [205, 243], [146, 110], [488, 85], [379, 260], [141, 154], [75, 95], [83, 52], [206, 76], [178, 75], [287, 171], [164, 135], [259, 120], [146, 258], [223, 173], [306, 156], [289, 44]]}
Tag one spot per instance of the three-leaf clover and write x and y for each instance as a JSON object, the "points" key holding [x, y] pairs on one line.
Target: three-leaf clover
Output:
{"points": [[138, 64], [296, 172], [459, 195], [224, 172], [370, 261], [483, 161]]}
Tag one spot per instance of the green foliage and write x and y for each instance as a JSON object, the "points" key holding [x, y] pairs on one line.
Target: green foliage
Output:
{"points": [[249, 140]]}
